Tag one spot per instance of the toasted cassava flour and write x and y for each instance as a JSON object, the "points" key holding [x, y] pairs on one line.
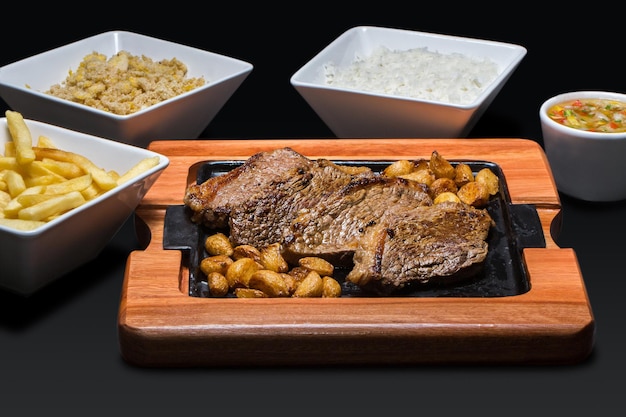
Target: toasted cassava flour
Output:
{"points": [[417, 73], [124, 83]]}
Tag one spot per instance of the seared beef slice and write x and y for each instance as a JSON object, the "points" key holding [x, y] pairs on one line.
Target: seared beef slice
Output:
{"points": [[213, 201], [388, 228], [334, 226], [442, 242]]}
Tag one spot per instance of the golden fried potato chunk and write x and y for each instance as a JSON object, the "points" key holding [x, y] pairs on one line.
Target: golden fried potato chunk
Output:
{"points": [[440, 166], [270, 282], [246, 251], [474, 193], [442, 185], [330, 287], [421, 176], [463, 174], [319, 265], [446, 196], [215, 263], [399, 168], [489, 179], [218, 244], [240, 271], [271, 258], [299, 273], [218, 284], [312, 286]]}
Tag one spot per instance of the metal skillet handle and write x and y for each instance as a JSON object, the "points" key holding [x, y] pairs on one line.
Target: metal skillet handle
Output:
{"points": [[179, 232], [527, 227]]}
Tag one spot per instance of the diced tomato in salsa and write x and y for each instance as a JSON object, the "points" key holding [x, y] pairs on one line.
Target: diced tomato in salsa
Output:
{"points": [[594, 115]]}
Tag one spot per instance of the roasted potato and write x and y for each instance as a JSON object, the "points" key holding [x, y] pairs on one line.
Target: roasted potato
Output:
{"points": [[218, 244], [422, 176], [239, 273], [246, 251], [319, 265], [215, 263], [311, 286], [218, 284], [442, 185], [299, 273], [446, 196], [399, 168], [489, 179], [290, 282], [330, 288], [270, 282], [422, 164], [463, 174], [271, 258], [474, 193], [441, 167]]}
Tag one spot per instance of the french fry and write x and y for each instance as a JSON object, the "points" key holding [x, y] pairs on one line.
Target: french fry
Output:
{"points": [[21, 137], [15, 182], [27, 200], [38, 169], [65, 169], [142, 166], [52, 207], [91, 192], [9, 149], [8, 162], [4, 200], [45, 142], [41, 180], [13, 207], [75, 184], [99, 175]]}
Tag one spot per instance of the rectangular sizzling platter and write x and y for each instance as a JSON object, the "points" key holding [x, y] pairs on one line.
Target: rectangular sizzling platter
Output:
{"points": [[503, 273], [535, 310]]}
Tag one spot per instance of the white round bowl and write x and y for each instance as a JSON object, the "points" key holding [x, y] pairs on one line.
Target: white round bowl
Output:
{"points": [[586, 165]]}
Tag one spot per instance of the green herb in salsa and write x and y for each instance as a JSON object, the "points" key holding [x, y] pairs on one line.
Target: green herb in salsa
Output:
{"points": [[594, 115]]}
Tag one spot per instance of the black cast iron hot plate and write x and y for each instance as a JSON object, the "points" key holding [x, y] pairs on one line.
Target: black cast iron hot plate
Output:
{"points": [[517, 226]]}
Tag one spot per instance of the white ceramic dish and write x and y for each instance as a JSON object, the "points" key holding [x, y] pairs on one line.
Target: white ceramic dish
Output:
{"points": [[22, 86], [585, 165], [32, 259], [353, 114]]}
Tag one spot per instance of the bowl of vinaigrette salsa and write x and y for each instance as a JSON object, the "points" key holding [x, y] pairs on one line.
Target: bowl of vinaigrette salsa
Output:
{"points": [[584, 137], [591, 114]]}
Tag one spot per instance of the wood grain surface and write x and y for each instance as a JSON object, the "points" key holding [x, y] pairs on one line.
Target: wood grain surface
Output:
{"points": [[160, 325]]}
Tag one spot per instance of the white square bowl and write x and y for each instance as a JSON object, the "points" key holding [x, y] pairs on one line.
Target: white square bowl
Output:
{"points": [[23, 85], [32, 259], [357, 113]]}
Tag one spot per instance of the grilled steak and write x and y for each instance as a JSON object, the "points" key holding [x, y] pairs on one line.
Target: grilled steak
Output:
{"points": [[333, 228], [263, 173], [445, 242], [387, 229]]}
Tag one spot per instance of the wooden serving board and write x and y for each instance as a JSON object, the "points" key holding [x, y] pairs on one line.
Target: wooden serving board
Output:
{"points": [[160, 325]]}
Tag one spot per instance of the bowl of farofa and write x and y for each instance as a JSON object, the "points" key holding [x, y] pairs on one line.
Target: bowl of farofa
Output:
{"points": [[387, 82], [63, 196], [124, 86]]}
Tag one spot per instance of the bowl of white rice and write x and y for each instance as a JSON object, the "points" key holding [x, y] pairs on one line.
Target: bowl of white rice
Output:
{"points": [[376, 82]]}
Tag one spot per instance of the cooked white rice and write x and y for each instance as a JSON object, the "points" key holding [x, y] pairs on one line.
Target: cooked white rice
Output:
{"points": [[417, 73]]}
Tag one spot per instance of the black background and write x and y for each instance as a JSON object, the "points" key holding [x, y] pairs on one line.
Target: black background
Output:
{"points": [[59, 347]]}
